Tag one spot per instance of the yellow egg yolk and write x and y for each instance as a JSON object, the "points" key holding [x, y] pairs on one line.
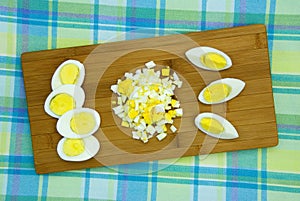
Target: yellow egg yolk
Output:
{"points": [[62, 103], [165, 71], [213, 60], [82, 123], [73, 147], [156, 115], [125, 87], [69, 74], [211, 125], [216, 92], [132, 113]]}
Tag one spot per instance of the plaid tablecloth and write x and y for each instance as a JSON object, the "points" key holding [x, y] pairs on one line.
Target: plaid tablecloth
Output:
{"points": [[259, 174]]}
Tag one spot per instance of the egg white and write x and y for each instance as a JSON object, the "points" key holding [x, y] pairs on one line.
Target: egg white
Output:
{"points": [[63, 124], [73, 90], [194, 55], [229, 130], [236, 85], [55, 81], [91, 144]]}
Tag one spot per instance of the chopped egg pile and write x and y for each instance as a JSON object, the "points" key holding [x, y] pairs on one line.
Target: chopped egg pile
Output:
{"points": [[146, 101], [75, 123]]}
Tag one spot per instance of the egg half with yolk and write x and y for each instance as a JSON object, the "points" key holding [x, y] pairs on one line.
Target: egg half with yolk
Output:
{"points": [[78, 123], [216, 126], [209, 58], [64, 98], [69, 72], [222, 90], [80, 149]]}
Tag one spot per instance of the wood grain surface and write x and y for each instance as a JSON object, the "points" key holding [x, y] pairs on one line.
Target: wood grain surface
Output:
{"points": [[252, 112]]}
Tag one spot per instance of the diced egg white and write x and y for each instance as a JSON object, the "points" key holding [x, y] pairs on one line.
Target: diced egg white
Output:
{"points": [[179, 112], [173, 128], [150, 129], [118, 109], [161, 136], [150, 64], [114, 88], [144, 137], [175, 76], [136, 135], [129, 75]]}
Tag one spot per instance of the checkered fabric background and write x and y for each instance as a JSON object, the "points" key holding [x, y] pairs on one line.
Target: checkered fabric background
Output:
{"points": [[260, 174]]}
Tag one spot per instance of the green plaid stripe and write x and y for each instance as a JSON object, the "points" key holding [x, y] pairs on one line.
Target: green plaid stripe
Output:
{"points": [[260, 174]]}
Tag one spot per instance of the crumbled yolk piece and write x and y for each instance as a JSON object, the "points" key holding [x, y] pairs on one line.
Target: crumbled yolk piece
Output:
{"points": [[125, 124], [173, 102], [62, 103], [213, 60], [147, 117], [125, 87], [211, 125], [154, 87], [156, 115], [73, 147], [216, 92], [131, 103], [165, 71], [82, 123], [69, 74], [172, 113], [132, 113], [168, 117]]}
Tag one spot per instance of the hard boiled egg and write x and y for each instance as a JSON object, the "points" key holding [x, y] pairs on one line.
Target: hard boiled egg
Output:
{"points": [[81, 149], [69, 72], [209, 58], [220, 91], [64, 98], [215, 126], [78, 123]]}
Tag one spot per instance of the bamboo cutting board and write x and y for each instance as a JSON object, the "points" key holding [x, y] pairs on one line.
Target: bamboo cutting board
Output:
{"points": [[252, 112]]}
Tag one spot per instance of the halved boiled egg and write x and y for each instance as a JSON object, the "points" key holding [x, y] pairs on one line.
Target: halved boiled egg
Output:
{"points": [[69, 72], [80, 149], [220, 91], [216, 126], [64, 98], [209, 58], [78, 123]]}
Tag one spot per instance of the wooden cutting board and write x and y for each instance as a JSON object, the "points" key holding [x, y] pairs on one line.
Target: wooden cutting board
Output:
{"points": [[252, 112]]}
